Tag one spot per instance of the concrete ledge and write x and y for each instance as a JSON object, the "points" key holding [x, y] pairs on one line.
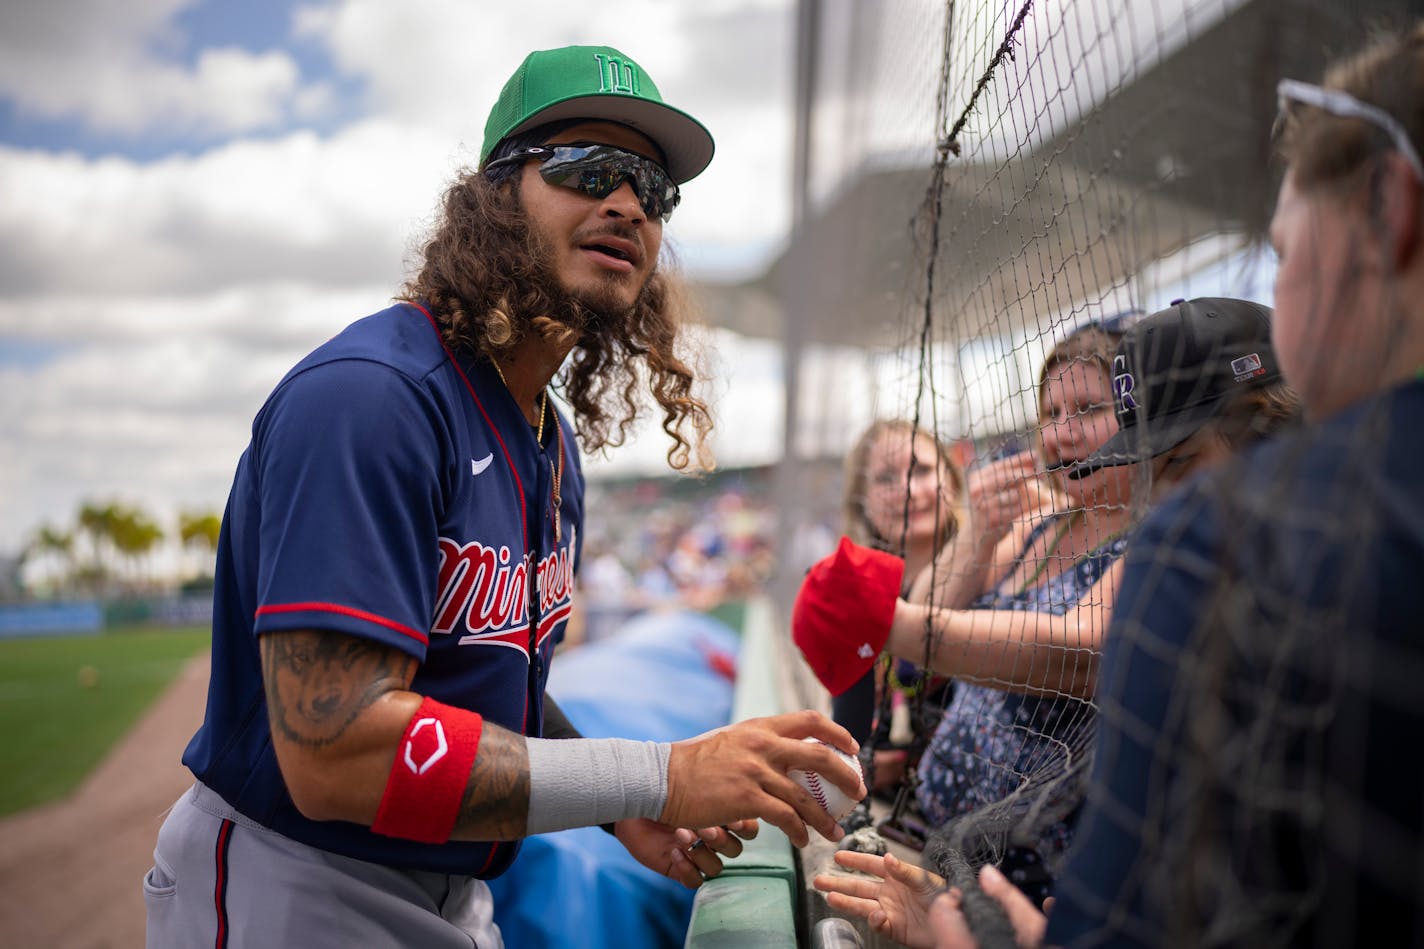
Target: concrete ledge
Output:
{"points": [[753, 902], [742, 912], [771, 678], [770, 856]]}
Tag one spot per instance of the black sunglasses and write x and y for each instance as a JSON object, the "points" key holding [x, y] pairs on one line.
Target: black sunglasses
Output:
{"points": [[598, 171]]}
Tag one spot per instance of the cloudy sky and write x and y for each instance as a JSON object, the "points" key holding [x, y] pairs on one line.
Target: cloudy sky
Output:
{"points": [[195, 193]]}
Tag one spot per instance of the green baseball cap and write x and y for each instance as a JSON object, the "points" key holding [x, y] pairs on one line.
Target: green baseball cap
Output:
{"points": [[596, 83]]}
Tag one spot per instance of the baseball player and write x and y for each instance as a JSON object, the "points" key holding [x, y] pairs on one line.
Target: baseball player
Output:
{"points": [[397, 565]]}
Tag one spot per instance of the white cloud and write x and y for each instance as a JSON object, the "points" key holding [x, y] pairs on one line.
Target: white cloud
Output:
{"points": [[332, 208], [111, 67], [443, 63], [301, 207], [148, 398], [147, 307]]}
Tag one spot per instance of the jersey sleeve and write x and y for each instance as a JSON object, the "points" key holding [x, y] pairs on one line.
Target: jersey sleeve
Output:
{"points": [[349, 457]]}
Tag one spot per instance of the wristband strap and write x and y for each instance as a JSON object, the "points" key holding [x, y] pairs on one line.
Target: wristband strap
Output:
{"points": [[428, 778]]}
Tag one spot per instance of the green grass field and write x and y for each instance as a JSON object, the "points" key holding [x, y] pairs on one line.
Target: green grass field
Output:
{"points": [[65, 700]]}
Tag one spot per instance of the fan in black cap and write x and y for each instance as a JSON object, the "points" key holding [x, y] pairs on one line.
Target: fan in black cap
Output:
{"points": [[1176, 369]]}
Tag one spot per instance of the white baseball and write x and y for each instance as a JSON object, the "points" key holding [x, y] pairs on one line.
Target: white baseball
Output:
{"points": [[830, 797]]}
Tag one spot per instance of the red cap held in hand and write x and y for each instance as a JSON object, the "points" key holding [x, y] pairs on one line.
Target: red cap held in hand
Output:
{"points": [[843, 612]]}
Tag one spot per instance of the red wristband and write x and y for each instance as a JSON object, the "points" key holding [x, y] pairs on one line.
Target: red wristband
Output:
{"points": [[432, 767]]}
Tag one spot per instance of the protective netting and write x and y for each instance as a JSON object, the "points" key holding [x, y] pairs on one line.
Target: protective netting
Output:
{"points": [[984, 179]]}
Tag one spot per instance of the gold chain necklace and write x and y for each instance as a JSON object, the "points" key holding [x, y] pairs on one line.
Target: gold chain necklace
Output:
{"points": [[558, 469]]}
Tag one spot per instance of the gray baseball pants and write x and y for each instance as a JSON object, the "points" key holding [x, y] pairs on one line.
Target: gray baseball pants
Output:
{"points": [[221, 880]]}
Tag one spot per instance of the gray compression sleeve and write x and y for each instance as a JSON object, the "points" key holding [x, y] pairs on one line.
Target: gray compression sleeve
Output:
{"points": [[580, 782]]}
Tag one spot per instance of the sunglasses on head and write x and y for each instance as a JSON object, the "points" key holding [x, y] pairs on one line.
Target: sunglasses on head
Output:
{"points": [[599, 170], [1338, 102]]}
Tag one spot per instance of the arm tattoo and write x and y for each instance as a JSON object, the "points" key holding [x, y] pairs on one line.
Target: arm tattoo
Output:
{"points": [[496, 802], [319, 682]]}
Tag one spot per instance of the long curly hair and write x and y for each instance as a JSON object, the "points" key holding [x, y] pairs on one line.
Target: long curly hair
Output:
{"points": [[486, 279]]}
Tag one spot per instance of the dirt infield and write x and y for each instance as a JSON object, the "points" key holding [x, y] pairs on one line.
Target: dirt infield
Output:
{"points": [[70, 871]]}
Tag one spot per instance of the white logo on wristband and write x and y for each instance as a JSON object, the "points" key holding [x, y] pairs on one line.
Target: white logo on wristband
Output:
{"points": [[441, 746]]}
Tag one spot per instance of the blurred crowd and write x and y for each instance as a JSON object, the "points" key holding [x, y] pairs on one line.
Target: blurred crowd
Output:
{"points": [[660, 543]]}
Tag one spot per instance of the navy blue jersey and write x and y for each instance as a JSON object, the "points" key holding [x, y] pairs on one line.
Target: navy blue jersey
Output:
{"points": [[394, 491]]}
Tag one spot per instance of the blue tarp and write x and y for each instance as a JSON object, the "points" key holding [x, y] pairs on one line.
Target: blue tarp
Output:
{"points": [[663, 678], [47, 619]]}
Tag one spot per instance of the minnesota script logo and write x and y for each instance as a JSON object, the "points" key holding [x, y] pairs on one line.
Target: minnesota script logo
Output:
{"points": [[484, 595]]}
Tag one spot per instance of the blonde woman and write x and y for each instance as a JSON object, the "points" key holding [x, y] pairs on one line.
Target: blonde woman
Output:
{"points": [[904, 495]]}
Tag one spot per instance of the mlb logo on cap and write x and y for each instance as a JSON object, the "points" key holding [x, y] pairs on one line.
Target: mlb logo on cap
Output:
{"points": [[1247, 367]]}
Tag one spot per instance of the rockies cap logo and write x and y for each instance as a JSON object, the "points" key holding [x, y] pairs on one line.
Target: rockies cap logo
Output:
{"points": [[1123, 384]]}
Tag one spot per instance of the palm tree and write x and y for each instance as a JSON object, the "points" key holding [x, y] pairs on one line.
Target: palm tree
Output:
{"points": [[134, 535], [51, 543], [97, 522], [199, 531], [50, 540]]}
